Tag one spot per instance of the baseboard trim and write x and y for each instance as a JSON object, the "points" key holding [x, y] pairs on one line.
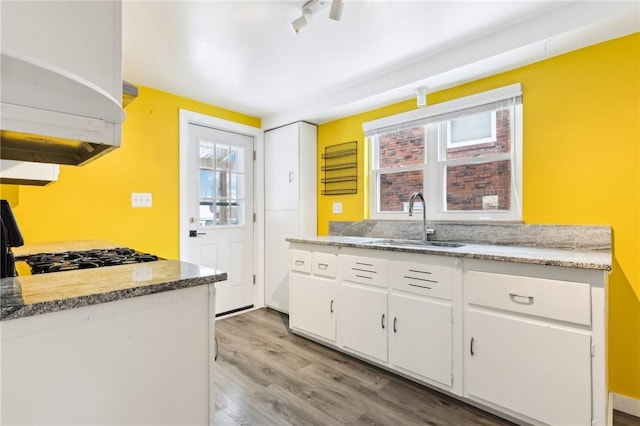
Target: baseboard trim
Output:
{"points": [[626, 404]]}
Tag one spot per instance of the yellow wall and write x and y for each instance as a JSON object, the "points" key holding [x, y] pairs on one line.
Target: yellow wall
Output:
{"points": [[94, 201], [581, 166]]}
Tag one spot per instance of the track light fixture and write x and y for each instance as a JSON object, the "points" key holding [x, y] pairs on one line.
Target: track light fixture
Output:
{"points": [[311, 8]]}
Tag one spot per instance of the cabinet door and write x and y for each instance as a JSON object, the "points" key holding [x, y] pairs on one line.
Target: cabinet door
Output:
{"points": [[278, 226], [421, 336], [282, 168], [313, 305], [535, 369], [363, 320]]}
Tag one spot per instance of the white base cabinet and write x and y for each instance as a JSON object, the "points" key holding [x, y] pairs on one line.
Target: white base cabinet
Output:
{"points": [[382, 309], [363, 320], [527, 341], [534, 342], [421, 337], [146, 360], [314, 288], [535, 369]]}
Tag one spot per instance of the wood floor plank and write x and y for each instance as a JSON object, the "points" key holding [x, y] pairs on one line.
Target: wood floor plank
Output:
{"points": [[266, 375]]}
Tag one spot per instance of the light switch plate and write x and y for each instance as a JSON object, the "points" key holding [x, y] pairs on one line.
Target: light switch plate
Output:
{"points": [[141, 199], [337, 208]]}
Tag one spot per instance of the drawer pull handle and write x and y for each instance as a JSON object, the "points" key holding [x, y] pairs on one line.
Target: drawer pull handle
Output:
{"points": [[322, 266], [299, 262], [420, 279], [471, 347], [382, 321], [421, 286], [419, 271], [521, 299], [364, 276], [331, 306], [395, 320]]}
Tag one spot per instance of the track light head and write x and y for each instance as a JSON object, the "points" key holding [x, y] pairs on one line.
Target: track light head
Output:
{"points": [[313, 7], [301, 23], [335, 12]]}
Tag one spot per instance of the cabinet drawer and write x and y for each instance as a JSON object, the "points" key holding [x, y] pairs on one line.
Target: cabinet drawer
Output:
{"points": [[300, 261], [364, 270], [554, 299], [426, 280], [325, 264]]}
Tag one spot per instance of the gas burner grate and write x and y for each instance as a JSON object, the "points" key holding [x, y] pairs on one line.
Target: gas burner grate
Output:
{"points": [[67, 261]]}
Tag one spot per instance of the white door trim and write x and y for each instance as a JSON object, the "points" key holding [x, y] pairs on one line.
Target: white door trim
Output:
{"points": [[187, 117]]}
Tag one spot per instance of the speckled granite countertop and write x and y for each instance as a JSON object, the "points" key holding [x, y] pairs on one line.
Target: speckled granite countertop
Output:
{"points": [[534, 255], [30, 295]]}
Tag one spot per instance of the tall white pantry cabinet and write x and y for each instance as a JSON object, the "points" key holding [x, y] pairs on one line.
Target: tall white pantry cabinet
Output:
{"points": [[290, 202]]}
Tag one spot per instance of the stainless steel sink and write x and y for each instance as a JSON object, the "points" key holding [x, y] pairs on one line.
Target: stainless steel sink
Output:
{"points": [[412, 243]]}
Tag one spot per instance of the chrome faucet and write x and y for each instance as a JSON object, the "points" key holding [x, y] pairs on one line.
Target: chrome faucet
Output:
{"points": [[425, 231]]}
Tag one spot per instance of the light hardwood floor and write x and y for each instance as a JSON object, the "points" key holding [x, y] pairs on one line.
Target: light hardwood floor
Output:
{"points": [[265, 375]]}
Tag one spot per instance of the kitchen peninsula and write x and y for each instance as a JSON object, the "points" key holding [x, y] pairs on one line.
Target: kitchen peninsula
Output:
{"points": [[127, 344]]}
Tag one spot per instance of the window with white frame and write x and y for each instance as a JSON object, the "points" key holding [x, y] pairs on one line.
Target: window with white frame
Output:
{"points": [[463, 155]]}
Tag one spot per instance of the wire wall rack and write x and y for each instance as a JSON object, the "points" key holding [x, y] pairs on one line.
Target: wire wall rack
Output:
{"points": [[340, 169]]}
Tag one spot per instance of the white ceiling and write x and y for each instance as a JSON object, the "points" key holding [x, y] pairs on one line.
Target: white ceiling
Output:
{"points": [[244, 56]]}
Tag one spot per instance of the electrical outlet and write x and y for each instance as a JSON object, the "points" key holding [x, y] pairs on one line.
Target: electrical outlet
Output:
{"points": [[337, 208], [141, 199]]}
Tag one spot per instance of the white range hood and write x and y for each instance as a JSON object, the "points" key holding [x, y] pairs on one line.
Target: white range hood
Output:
{"points": [[50, 115]]}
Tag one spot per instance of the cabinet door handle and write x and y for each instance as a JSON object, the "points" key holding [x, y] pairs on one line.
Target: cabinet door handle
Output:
{"points": [[471, 347], [322, 266], [331, 306], [395, 319], [215, 356], [521, 299], [382, 321], [299, 262], [290, 176]]}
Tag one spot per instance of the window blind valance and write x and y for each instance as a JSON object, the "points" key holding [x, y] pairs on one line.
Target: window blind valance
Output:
{"points": [[485, 101]]}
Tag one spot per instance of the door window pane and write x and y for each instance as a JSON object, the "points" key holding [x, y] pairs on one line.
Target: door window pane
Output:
{"points": [[221, 184]]}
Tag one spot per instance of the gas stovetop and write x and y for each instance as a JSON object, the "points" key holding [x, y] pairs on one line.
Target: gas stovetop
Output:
{"points": [[55, 262]]}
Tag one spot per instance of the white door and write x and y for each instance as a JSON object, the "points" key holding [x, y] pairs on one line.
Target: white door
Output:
{"points": [[217, 218]]}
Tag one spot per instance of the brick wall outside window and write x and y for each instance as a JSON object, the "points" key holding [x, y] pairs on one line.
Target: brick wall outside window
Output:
{"points": [[398, 148], [466, 185]]}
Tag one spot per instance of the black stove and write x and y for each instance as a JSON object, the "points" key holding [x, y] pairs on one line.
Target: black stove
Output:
{"points": [[67, 261]]}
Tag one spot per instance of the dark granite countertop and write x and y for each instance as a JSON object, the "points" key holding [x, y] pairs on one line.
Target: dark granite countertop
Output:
{"points": [[38, 294], [584, 259]]}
